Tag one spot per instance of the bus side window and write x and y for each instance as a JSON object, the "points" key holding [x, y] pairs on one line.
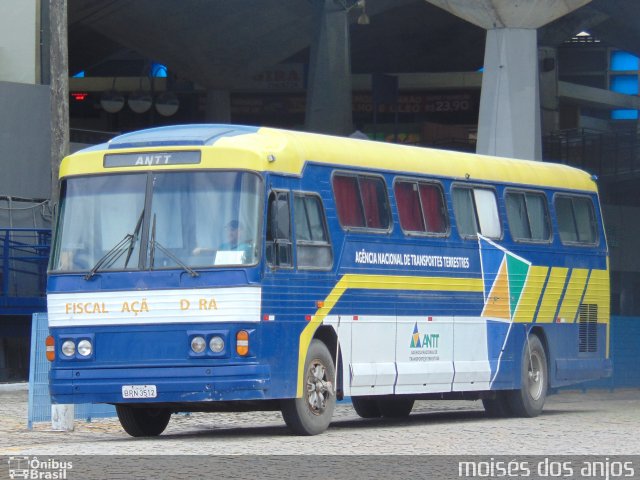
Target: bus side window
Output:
{"points": [[528, 216], [576, 219], [362, 202], [278, 251], [476, 211], [313, 248], [421, 207]]}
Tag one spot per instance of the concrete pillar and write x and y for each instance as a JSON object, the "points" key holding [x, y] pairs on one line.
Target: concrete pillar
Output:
{"points": [[62, 416], [59, 68], [509, 122], [329, 108], [218, 106]]}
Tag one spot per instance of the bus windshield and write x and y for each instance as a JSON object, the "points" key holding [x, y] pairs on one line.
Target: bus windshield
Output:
{"points": [[191, 219]]}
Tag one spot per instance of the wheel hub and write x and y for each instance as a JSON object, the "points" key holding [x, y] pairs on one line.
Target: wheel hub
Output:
{"points": [[536, 376], [319, 388]]}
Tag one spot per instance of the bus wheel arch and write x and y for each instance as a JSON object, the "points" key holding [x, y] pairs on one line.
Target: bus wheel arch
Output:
{"points": [[528, 400], [327, 335]]}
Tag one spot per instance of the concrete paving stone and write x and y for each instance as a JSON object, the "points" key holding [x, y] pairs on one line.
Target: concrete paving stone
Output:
{"points": [[573, 423]]}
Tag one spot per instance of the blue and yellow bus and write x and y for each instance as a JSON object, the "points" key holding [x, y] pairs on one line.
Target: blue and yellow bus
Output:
{"points": [[233, 268]]}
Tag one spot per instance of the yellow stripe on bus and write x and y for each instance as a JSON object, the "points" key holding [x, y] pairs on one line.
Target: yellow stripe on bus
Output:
{"points": [[552, 292], [531, 294], [573, 295], [376, 282]]}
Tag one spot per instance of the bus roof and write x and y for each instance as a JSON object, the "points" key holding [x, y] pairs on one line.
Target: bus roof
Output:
{"points": [[270, 149]]}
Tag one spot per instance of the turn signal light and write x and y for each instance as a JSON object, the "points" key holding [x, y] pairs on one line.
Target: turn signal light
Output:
{"points": [[50, 343], [242, 343]]}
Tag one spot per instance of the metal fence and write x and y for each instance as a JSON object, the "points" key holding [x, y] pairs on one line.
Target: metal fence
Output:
{"points": [[24, 253], [605, 154], [39, 398]]}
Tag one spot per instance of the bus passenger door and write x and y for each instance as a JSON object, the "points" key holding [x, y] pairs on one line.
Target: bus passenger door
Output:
{"points": [[424, 354]]}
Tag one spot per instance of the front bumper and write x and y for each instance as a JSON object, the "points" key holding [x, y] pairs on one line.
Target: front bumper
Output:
{"points": [[173, 384]]}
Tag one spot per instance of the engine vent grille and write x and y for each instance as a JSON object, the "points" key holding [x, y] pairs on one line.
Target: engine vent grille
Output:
{"points": [[588, 327]]}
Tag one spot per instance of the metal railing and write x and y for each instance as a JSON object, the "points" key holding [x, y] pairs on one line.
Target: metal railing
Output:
{"points": [[609, 155], [605, 154], [23, 262]]}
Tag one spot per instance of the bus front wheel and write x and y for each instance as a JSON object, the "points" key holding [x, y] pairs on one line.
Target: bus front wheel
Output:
{"points": [[311, 414], [529, 399], [143, 422]]}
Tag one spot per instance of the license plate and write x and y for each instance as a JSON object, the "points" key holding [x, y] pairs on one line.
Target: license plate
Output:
{"points": [[139, 391]]}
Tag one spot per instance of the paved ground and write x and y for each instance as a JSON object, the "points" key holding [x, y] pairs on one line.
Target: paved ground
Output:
{"points": [[600, 423]]}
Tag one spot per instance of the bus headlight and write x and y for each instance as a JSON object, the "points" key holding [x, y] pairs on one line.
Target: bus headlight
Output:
{"points": [[69, 348], [85, 348], [216, 344], [198, 344]]}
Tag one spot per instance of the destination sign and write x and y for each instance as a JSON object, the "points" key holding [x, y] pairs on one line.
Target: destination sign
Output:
{"points": [[150, 159]]}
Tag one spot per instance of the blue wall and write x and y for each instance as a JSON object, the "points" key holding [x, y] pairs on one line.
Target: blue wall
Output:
{"points": [[625, 347]]}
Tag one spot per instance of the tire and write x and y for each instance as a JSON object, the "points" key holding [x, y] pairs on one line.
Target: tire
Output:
{"points": [[366, 407], [143, 422], [395, 407], [497, 407], [311, 414], [529, 399]]}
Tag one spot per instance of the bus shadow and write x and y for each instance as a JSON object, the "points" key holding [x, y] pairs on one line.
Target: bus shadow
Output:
{"points": [[417, 418]]}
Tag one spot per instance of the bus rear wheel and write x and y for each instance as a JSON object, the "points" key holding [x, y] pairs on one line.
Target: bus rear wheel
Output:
{"points": [[366, 407], [497, 407], [143, 421], [529, 399], [311, 414], [395, 407]]}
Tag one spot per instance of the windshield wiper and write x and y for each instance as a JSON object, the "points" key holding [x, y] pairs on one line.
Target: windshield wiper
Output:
{"points": [[127, 244], [154, 243], [111, 256], [134, 240]]}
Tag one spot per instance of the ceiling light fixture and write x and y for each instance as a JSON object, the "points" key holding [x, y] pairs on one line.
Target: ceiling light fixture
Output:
{"points": [[167, 104], [363, 19], [112, 101], [140, 102]]}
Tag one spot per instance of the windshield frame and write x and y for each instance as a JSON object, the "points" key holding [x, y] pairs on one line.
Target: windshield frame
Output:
{"points": [[142, 263]]}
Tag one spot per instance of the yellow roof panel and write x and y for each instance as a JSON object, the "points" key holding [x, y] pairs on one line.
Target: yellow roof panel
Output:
{"points": [[288, 152]]}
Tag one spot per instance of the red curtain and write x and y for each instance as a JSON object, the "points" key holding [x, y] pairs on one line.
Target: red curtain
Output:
{"points": [[409, 207], [368, 188], [348, 201], [432, 206]]}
